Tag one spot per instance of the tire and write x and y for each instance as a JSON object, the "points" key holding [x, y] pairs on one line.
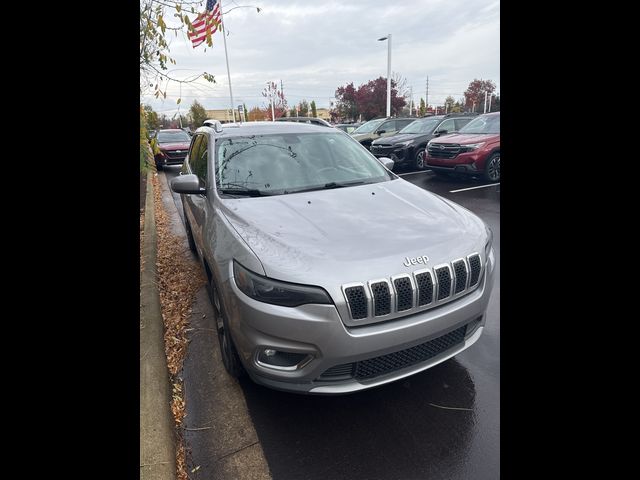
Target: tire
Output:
{"points": [[419, 159], [228, 352], [187, 227], [492, 168]]}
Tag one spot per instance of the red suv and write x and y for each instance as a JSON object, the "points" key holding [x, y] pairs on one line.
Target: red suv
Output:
{"points": [[474, 150], [174, 145]]}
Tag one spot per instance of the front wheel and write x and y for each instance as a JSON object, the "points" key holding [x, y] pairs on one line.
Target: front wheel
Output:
{"points": [[228, 352], [492, 168], [419, 162], [187, 227]]}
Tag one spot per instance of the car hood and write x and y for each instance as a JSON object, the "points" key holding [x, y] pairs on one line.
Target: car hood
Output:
{"points": [[174, 146], [467, 138], [363, 136], [393, 139], [336, 236]]}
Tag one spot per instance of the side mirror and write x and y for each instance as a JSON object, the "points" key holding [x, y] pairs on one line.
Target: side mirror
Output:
{"points": [[387, 162], [380, 132], [188, 184], [440, 132]]}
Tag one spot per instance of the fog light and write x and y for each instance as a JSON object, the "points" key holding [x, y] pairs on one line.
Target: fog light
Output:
{"points": [[279, 360]]}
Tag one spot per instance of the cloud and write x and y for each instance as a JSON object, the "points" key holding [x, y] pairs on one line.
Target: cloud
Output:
{"points": [[316, 47]]}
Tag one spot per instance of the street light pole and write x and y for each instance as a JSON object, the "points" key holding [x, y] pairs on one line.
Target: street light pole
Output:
{"points": [[388, 38]]}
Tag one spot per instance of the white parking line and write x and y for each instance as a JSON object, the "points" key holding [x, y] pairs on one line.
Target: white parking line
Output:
{"points": [[413, 173], [473, 188]]}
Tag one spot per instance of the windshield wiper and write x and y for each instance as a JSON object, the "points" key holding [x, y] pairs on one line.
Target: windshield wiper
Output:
{"points": [[327, 186], [244, 192]]}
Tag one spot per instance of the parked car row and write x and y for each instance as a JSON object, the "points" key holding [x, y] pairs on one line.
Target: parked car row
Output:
{"points": [[461, 143]]}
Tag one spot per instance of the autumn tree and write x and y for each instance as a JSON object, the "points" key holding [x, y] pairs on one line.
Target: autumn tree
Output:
{"points": [[257, 114], [198, 114], [346, 107], [314, 112], [371, 99], [274, 95], [475, 93]]}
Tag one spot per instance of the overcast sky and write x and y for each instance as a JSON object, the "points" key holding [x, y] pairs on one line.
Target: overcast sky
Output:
{"points": [[316, 46]]}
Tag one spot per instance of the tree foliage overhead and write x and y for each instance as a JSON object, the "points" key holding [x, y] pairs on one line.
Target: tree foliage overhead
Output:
{"points": [[475, 92], [154, 41], [369, 100]]}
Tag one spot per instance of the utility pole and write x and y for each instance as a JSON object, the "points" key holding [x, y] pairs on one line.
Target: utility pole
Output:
{"points": [[411, 103], [489, 104], [426, 100], [485, 102]]}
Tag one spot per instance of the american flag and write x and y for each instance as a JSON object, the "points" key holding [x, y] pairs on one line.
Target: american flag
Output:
{"points": [[206, 22]]}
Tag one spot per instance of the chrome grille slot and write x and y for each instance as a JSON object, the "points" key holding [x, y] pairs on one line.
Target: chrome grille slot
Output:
{"points": [[460, 272], [381, 298], [475, 266], [443, 274], [424, 282]]}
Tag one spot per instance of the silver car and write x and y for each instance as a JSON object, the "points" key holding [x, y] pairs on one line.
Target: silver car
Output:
{"points": [[328, 273]]}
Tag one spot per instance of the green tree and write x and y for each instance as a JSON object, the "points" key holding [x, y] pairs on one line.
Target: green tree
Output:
{"points": [[423, 107], [151, 118], [314, 112], [246, 112], [303, 108], [198, 114]]}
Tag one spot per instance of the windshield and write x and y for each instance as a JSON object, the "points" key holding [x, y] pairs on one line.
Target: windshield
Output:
{"points": [[174, 137], [369, 127], [293, 162], [482, 124], [421, 126]]}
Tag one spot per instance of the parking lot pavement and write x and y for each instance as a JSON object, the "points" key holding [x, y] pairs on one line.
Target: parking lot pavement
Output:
{"points": [[443, 423]]}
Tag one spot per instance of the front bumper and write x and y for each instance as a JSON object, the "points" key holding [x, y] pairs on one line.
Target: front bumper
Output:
{"points": [[400, 155], [318, 332]]}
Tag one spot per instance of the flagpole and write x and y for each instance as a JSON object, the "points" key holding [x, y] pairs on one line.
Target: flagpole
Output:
{"points": [[226, 55]]}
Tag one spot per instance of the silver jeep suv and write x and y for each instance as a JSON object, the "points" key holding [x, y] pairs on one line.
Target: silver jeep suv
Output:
{"points": [[328, 273]]}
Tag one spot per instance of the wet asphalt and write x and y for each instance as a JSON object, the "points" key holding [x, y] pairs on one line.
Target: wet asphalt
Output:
{"points": [[443, 423]]}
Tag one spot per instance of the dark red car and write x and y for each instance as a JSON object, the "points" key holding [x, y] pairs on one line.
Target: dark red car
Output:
{"points": [[173, 145], [474, 150]]}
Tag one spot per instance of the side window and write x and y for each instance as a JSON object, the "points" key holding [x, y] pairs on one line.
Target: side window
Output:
{"points": [[199, 162], [461, 122], [447, 125], [404, 123], [388, 126]]}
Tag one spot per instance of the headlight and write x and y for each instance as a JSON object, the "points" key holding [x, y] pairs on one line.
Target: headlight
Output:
{"points": [[404, 144], [276, 292], [487, 246], [429, 143], [471, 147]]}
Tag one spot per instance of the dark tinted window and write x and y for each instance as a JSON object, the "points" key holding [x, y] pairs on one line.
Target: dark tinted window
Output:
{"points": [[461, 122], [447, 125], [388, 126], [400, 124]]}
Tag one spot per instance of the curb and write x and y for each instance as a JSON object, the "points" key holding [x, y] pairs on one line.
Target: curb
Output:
{"points": [[157, 429]]}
